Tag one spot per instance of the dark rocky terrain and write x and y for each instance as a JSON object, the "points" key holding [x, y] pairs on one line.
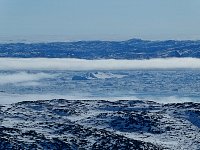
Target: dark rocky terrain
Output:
{"points": [[130, 49], [67, 124]]}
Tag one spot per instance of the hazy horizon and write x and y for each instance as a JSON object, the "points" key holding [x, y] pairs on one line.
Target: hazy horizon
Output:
{"points": [[27, 40]]}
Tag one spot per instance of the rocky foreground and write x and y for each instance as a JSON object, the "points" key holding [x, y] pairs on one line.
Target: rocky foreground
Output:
{"points": [[67, 124]]}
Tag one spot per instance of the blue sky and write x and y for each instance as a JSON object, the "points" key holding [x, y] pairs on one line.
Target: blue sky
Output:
{"points": [[100, 19]]}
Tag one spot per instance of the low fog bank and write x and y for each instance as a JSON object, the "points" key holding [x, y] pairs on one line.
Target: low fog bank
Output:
{"points": [[107, 64], [23, 78]]}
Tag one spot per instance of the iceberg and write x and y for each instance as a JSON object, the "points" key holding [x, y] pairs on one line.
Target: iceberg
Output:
{"points": [[97, 75]]}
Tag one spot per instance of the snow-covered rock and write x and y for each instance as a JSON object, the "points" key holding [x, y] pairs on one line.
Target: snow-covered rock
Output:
{"points": [[89, 124]]}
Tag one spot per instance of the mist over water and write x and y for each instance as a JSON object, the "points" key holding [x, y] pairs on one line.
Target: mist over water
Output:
{"points": [[162, 80], [157, 85]]}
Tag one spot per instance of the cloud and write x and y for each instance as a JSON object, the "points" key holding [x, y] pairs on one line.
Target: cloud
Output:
{"points": [[107, 64], [23, 78]]}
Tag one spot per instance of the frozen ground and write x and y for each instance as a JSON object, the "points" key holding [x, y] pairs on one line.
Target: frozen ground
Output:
{"points": [[89, 124]]}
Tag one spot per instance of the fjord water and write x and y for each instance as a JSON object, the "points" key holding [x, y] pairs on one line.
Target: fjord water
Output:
{"points": [[159, 85]]}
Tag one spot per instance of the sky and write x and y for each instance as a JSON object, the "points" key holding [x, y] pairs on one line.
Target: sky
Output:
{"points": [[99, 19]]}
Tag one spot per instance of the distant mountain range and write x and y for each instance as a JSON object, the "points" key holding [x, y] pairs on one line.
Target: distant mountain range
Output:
{"points": [[130, 49]]}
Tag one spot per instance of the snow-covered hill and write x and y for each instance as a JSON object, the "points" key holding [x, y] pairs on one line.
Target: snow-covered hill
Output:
{"points": [[130, 49], [79, 124]]}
